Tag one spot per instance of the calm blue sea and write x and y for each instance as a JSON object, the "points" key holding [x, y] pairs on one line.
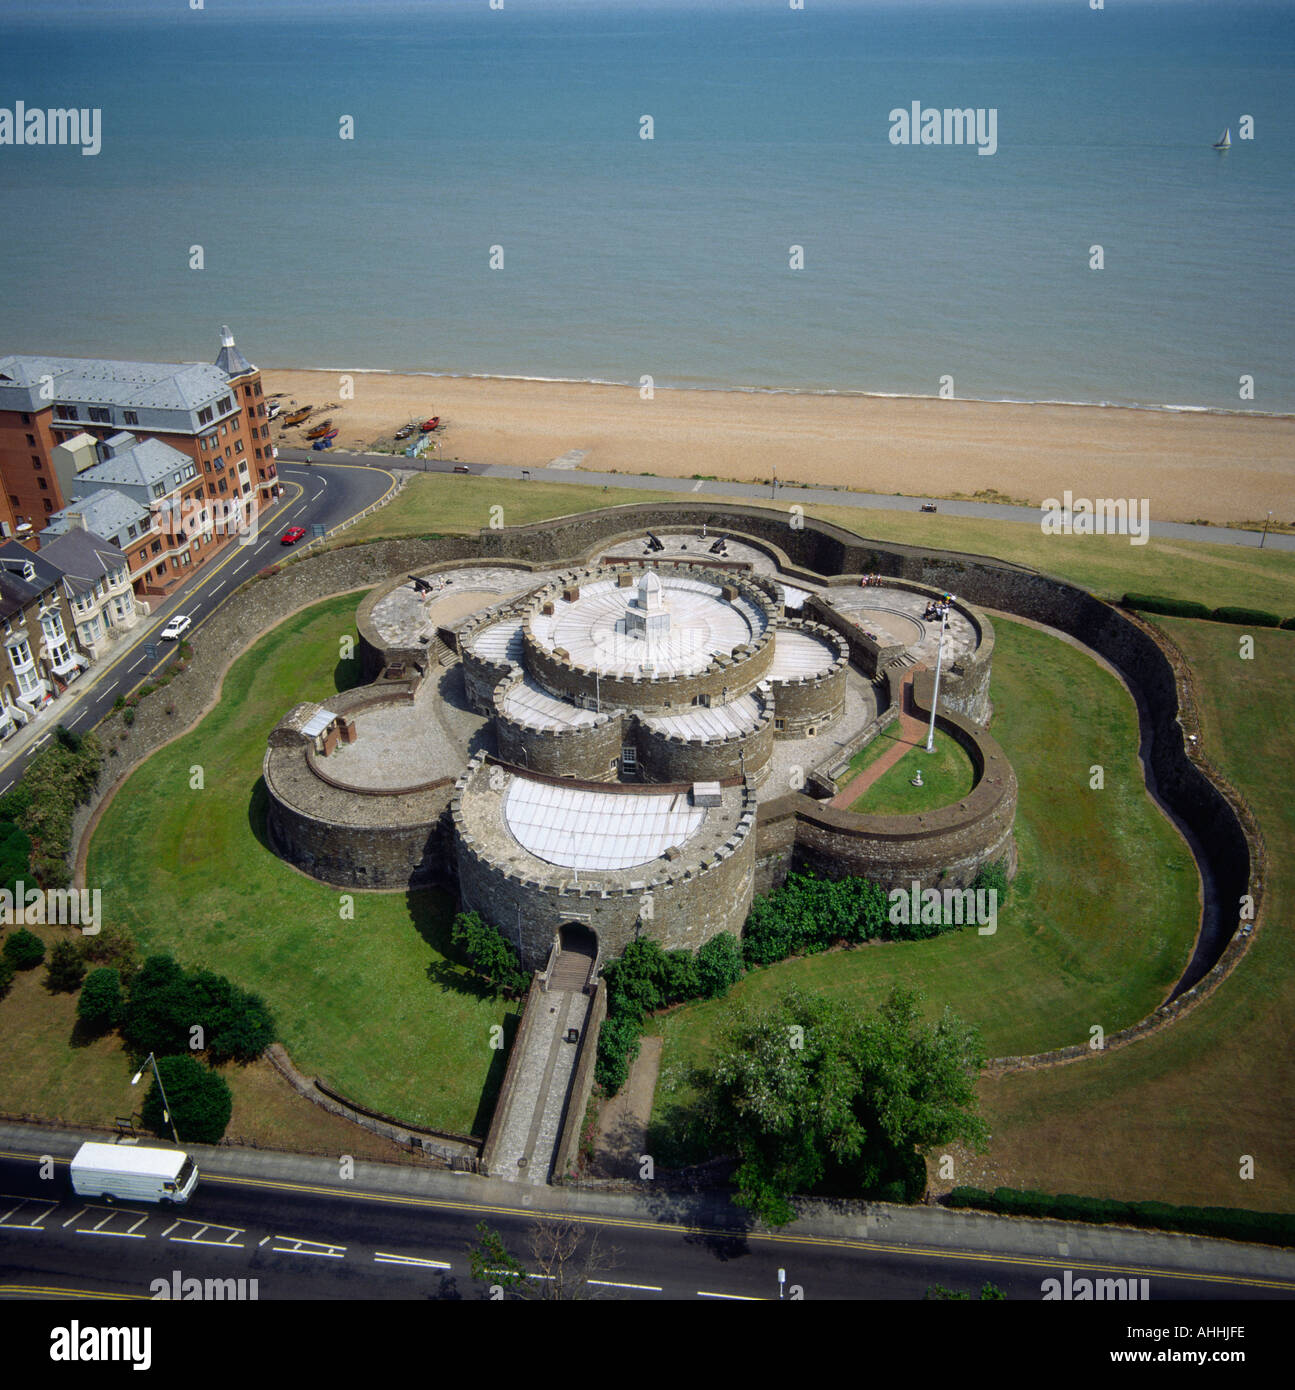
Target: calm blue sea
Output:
{"points": [[520, 128]]}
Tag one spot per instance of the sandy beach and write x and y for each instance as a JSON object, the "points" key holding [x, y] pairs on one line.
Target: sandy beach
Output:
{"points": [[1190, 466]]}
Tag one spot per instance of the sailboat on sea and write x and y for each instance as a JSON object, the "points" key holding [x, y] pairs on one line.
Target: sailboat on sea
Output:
{"points": [[1224, 142]]}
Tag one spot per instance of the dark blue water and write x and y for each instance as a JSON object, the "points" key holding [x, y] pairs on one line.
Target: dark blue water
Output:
{"points": [[520, 128]]}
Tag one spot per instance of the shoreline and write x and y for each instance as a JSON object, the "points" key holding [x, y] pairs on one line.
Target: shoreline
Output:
{"points": [[1185, 464], [829, 392]]}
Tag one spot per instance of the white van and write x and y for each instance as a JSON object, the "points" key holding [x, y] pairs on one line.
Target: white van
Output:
{"points": [[133, 1173]]}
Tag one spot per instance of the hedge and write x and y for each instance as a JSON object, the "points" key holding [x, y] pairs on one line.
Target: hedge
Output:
{"points": [[1222, 1223], [1170, 607], [1247, 617]]}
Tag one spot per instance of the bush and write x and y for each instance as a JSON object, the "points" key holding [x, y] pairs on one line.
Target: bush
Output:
{"points": [[165, 1005], [113, 946], [1223, 1223], [1289, 625], [199, 1100], [618, 1045], [488, 953], [809, 914], [24, 950], [1247, 617], [128, 715], [1170, 607], [992, 876], [15, 855], [238, 1025], [719, 965], [66, 968], [100, 1004], [6, 976]]}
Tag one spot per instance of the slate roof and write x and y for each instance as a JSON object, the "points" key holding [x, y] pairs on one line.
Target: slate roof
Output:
{"points": [[83, 558]]}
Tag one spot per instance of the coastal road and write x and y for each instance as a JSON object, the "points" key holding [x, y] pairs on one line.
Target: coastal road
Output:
{"points": [[834, 497], [316, 494], [403, 1233]]}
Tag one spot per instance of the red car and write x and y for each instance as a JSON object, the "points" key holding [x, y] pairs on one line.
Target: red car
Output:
{"points": [[429, 425], [292, 535]]}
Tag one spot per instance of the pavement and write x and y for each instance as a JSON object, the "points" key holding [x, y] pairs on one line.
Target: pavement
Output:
{"points": [[836, 497], [840, 1245]]}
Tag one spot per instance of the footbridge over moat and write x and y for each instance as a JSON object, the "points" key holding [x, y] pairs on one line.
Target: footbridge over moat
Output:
{"points": [[541, 1094]]}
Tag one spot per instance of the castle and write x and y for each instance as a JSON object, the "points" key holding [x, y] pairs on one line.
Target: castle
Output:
{"points": [[633, 742]]}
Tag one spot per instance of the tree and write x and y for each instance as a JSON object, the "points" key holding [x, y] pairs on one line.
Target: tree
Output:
{"points": [[719, 965], [808, 1093], [199, 1098], [238, 1026], [66, 968], [618, 1045], [488, 953], [565, 1257], [160, 1009], [99, 1006], [24, 950], [15, 855]]}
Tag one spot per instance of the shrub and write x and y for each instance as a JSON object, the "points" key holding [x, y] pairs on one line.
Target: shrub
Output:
{"points": [[128, 715], [1289, 625], [992, 876], [24, 950], [66, 968], [1170, 607], [6, 976], [15, 854], [113, 946], [1247, 617], [238, 1025], [808, 914], [199, 1100], [488, 953], [719, 965], [99, 1006], [618, 1045]]}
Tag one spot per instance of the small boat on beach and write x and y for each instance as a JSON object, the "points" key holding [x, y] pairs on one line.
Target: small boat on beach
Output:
{"points": [[1224, 142], [429, 425], [320, 430], [406, 430], [298, 416]]}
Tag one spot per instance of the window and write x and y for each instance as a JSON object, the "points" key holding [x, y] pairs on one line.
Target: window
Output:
{"points": [[20, 654], [225, 403], [42, 484], [26, 419], [159, 489], [131, 417], [28, 684], [66, 412], [629, 757], [101, 414], [205, 415], [130, 531], [47, 504], [779, 723], [35, 461], [31, 441], [224, 430], [156, 547]]}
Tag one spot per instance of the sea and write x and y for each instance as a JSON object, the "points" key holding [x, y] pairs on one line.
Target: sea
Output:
{"points": [[498, 211]]}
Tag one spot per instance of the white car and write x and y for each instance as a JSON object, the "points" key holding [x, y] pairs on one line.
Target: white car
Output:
{"points": [[176, 628]]}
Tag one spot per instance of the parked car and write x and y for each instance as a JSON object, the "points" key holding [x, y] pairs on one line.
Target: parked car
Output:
{"points": [[292, 535], [176, 628]]}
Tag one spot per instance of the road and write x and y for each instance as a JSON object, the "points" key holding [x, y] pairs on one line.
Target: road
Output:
{"points": [[403, 1233], [316, 494], [834, 497]]}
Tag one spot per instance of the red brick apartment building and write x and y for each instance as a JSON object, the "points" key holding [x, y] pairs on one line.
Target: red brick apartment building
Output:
{"points": [[215, 415]]}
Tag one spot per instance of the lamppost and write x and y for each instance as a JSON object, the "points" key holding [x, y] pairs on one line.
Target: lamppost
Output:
{"points": [[939, 658], [166, 1105], [1264, 537]]}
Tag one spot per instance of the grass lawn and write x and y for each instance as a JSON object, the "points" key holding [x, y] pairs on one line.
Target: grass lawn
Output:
{"points": [[1100, 919], [1171, 1117], [370, 1005], [947, 774], [1107, 565]]}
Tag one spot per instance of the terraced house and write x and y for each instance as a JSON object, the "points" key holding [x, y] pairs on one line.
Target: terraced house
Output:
{"points": [[36, 627], [97, 582]]}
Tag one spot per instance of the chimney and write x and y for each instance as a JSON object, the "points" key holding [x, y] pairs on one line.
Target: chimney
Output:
{"points": [[75, 521]]}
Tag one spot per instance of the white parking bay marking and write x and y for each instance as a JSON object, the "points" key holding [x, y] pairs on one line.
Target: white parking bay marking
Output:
{"points": [[207, 1233], [19, 1218]]}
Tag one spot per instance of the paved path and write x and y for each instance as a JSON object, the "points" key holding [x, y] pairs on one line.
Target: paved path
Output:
{"points": [[533, 1120], [912, 732], [818, 496], [623, 1124]]}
